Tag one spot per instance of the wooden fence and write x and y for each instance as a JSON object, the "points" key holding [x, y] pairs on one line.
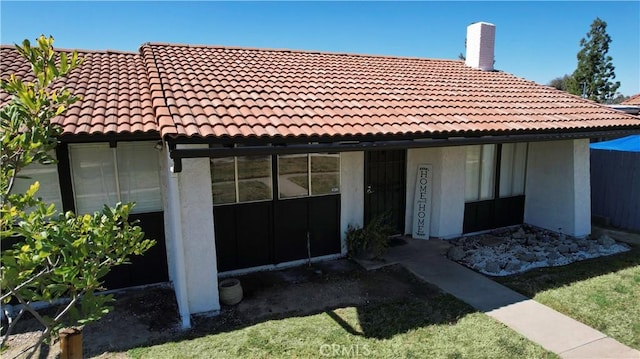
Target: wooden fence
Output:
{"points": [[615, 187]]}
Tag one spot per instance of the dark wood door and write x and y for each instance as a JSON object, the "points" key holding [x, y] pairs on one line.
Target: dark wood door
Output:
{"points": [[385, 185]]}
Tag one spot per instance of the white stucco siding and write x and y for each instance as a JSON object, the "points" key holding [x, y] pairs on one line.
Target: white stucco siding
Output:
{"points": [[558, 186], [351, 192], [452, 179], [196, 205], [447, 197], [173, 236], [190, 236], [582, 192]]}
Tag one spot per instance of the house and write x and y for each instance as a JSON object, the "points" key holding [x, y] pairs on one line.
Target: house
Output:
{"points": [[630, 105], [632, 101], [245, 159]]}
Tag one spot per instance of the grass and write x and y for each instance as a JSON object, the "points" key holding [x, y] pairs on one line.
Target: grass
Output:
{"points": [[603, 293], [441, 327]]}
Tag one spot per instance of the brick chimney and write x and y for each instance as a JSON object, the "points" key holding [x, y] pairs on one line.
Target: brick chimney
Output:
{"points": [[481, 38]]}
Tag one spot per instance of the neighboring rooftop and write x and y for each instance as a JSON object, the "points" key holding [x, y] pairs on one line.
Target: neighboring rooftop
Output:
{"points": [[633, 100]]}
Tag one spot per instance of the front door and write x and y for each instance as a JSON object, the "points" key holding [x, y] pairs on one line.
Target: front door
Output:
{"points": [[385, 184]]}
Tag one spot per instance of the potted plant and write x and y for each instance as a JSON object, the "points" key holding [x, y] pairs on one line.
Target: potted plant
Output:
{"points": [[371, 241]]}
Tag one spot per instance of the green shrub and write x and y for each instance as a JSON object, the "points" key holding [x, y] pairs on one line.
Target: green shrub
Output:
{"points": [[372, 240]]}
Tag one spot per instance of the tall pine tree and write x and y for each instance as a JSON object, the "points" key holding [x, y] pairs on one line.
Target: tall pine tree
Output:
{"points": [[593, 78]]}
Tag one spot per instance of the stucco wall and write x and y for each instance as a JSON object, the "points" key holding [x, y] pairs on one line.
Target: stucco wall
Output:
{"points": [[351, 191], [447, 211], [557, 190], [582, 173], [173, 236], [452, 179], [196, 202], [191, 247]]}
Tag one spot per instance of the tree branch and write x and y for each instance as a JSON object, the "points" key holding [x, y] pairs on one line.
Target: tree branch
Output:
{"points": [[25, 283]]}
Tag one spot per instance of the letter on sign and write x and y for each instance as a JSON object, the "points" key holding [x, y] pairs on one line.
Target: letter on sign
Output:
{"points": [[422, 203]]}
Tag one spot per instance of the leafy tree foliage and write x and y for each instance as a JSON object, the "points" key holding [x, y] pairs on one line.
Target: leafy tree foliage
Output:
{"points": [[560, 83], [56, 257], [593, 78], [619, 98]]}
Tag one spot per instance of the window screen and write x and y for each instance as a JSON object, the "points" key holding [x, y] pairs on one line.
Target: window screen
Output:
{"points": [[513, 169], [138, 175], [480, 172], [104, 175], [47, 175], [93, 173]]}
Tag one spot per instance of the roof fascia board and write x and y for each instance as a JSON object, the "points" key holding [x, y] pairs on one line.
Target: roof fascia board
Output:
{"points": [[83, 138], [349, 146]]}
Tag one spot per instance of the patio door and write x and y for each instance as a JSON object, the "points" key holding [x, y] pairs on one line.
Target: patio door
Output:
{"points": [[385, 185]]}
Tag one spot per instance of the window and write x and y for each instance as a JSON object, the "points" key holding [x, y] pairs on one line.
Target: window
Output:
{"points": [[241, 179], [480, 168], [481, 171], [513, 169], [126, 173], [293, 175], [325, 173], [47, 175], [308, 174]]}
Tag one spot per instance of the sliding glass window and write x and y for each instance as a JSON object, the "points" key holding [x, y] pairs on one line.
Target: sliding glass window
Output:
{"points": [[304, 175], [241, 179]]}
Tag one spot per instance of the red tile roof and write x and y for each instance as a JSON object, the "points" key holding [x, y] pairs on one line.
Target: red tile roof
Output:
{"points": [[219, 91], [223, 92], [633, 100], [114, 87]]}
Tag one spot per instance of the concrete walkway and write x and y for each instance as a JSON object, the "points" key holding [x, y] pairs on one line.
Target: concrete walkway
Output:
{"points": [[552, 330]]}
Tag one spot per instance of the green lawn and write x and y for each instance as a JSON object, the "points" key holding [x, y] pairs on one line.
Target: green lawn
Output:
{"points": [[441, 327], [603, 293]]}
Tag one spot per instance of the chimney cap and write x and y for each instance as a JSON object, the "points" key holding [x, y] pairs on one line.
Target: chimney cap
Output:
{"points": [[482, 22]]}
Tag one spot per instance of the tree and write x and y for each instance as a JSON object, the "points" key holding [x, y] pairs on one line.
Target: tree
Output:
{"points": [[593, 77], [55, 256], [560, 83], [619, 98]]}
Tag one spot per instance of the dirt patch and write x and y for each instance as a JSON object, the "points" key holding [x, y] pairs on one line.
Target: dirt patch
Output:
{"points": [[138, 317], [149, 316]]}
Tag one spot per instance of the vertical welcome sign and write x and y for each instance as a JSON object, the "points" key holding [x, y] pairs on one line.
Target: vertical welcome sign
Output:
{"points": [[422, 203]]}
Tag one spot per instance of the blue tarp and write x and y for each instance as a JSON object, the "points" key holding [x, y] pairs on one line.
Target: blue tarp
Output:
{"points": [[626, 144]]}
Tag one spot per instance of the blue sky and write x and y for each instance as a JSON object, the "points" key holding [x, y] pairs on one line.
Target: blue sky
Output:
{"points": [[534, 40]]}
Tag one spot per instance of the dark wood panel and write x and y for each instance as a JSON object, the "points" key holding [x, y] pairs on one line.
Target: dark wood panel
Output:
{"points": [[253, 231], [509, 211], [495, 213], [148, 268], [64, 178], [385, 186], [615, 187], [290, 229], [324, 225], [224, 221]]}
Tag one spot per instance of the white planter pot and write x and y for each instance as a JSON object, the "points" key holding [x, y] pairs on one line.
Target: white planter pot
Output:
{"points": [[230, 291]]}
